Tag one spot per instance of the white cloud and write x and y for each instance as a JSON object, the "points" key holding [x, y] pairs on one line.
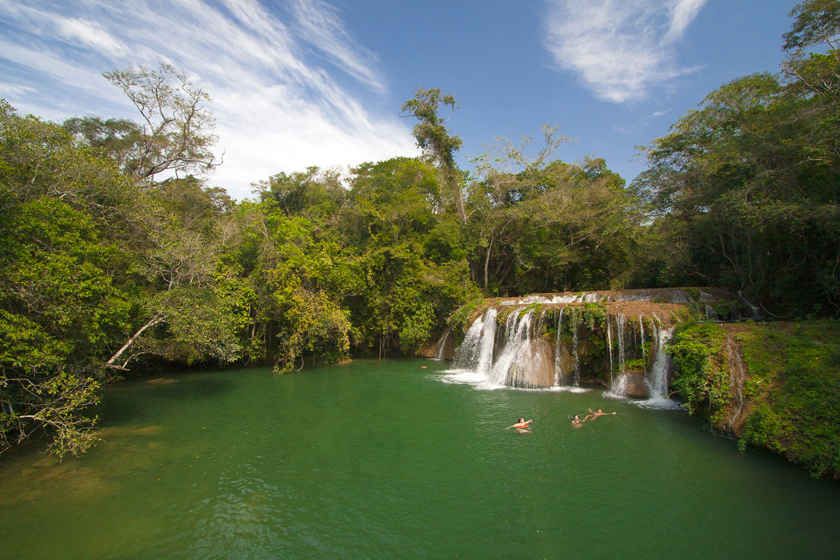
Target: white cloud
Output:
{"points": [[278, 107], [619, 48], [12, 91], [89, 34]]}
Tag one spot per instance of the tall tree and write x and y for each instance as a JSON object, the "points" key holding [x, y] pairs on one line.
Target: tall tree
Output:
{"points": [[817, 23], [60, 308], [748, 185], [433, 136], [176, 133]]}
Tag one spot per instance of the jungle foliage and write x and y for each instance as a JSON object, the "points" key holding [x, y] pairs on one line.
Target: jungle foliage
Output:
{"points": [[795, 381], [791, 397], [744, 190], [118, 257]]}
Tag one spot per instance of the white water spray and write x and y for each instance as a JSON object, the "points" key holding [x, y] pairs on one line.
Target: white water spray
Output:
{"points": [[575, 324], [657, 381], [642, 337], [441, 344], [609, 348], [476, 352], [558, 370], [515, 350], [620, 321]]}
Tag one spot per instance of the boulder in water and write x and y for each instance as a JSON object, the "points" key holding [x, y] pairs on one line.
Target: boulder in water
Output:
{"points": [[636, 387]]}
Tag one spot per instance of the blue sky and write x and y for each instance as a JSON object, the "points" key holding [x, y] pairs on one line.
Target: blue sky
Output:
{"points": [[296, 83]]}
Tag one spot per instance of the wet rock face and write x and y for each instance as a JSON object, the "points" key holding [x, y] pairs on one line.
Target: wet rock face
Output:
{"points": [[636, 387], [536, 366], [565, 364], [441, 347], [448, 350]]}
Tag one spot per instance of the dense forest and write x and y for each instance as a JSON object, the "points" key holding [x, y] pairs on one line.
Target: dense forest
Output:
{"points": [[118, 256]]}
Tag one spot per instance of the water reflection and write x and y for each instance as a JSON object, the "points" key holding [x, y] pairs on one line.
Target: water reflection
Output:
{"points": [[391, 460]]}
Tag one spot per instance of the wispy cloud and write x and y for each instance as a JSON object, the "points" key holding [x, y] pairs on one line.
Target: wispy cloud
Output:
{"points": [[89, 34], [278, 104], [619, 48], [320, 25]]}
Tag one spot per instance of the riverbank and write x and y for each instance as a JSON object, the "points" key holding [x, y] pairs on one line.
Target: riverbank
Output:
{"points": [[772, 385]]}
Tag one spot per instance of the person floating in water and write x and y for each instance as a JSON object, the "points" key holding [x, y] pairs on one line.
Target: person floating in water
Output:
{"points": [[522, 426], [595, 415], [576, 421]]}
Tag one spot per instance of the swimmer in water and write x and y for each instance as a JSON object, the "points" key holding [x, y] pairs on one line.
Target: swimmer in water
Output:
{"points": [[522, 426], [576, 421], [595, 415]]}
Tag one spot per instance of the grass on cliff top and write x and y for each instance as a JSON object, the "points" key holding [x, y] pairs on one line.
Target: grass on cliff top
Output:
{"points": [[795, 380]]}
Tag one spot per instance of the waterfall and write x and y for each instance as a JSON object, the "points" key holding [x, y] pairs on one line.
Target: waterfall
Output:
{"points": [[642, 338], [558, 370], [476, 352], [756, 312], [618, 387], [488, 341], [441, 344], [657, 381], [711, 314], [516, 330], [609, 347], [620, 321], [519, 351], [575, 322], [468, 348]]}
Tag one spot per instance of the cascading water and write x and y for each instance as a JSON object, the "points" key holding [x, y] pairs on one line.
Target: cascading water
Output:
{"points": [[711, 314], [488, 342], [609, 347], [618, 388], [575, 322], [657, 381], [558, 368], [642, 345], [476, 352], [619, 384], [521, 352], [442, 344], [503, 372], [464, 354], [621, 321]]}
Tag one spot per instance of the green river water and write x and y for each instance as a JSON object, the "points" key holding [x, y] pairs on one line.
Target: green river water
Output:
{"points": [[389, 460]]}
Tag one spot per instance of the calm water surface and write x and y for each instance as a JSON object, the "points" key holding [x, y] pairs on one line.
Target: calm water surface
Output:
{"points": [[388, 460]]}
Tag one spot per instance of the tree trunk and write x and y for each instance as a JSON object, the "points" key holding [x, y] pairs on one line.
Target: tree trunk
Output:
{"points": [[459, 197], [159, 318], [487, 261]]}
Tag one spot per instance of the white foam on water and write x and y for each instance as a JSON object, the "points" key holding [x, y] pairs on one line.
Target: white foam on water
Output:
{"points": [[481, 382], [657, 403]]}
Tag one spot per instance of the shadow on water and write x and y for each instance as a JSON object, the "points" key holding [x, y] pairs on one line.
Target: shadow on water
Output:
{"points": [[130, 401], [206, 388]]}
